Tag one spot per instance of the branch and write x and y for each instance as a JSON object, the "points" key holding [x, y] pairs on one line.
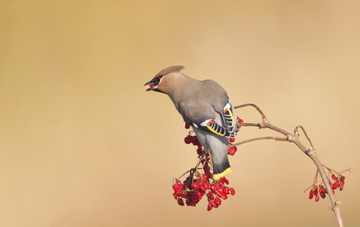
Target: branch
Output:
{"points": [[294, 138], [259, 138]]}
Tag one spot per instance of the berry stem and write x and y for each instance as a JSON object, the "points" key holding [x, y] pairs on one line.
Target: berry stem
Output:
{"points": [[316, 175], [338, 173], [346, 170]]}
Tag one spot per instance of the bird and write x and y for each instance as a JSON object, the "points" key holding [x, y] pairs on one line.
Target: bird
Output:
{"points": [[205, 106]]}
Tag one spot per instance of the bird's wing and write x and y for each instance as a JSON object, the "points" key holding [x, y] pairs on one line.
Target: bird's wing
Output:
{"points": [[207, 107], [224, 127]]}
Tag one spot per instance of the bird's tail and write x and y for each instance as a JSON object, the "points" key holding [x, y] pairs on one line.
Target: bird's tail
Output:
{"points": [[219, 156], [221, 169]]}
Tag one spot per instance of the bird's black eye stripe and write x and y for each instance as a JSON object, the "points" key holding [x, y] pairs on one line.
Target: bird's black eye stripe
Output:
{"points": [[157, 80]]}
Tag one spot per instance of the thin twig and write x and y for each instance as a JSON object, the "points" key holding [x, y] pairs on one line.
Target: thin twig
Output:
{"points": [[259, 138], [253, 105], [307, 137]]}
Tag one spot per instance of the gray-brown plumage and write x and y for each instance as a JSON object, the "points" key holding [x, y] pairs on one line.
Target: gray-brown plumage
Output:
{"points": [[206, 107]]}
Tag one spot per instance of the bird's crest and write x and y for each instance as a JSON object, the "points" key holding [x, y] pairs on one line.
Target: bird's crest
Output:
{"points": [[169, 70]]}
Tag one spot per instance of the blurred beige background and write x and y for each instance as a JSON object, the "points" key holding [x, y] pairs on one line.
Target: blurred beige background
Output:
{"points": [[83, 144]]}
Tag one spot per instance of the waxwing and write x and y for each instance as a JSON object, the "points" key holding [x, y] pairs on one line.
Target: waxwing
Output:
{"points": [[206, 107]]}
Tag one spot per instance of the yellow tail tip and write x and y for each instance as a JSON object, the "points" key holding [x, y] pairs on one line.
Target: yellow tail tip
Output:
{"points": [[220, 175]]}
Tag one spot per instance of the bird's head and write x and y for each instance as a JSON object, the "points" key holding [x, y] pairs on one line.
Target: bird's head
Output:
{"points": [[163, 81]]}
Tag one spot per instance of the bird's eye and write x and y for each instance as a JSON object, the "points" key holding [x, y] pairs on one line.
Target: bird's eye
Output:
{"points": [[158, 80]]}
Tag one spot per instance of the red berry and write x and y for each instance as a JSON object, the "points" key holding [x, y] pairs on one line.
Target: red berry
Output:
{"points": [[175, 187], [200, 195], [204, 177], [180, 201], [231, 151], [187, 140], [213, 204], [187, 126], [175, 195], [317, 198], [232, 139], [209, 207], [311, 194], [240, 121], [224, 180], [152, 85], [200, 151], [334, 177], [323, 195], [341, 187], [223, 196], [221, 180], [232, 191], [342, 179], [336, 185], [195, 185], [217, 201], [207, 185], [315, 190], [210, 196], [182, 194], [194, 140]]}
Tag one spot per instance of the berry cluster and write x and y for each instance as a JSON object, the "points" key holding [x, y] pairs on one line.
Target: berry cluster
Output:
{"points": [[337, 181], [197, 185], [200, 181], [220, 191], [316, 191]]}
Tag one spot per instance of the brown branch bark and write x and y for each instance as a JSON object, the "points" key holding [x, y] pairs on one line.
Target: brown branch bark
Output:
{"points": [[294, 138]]}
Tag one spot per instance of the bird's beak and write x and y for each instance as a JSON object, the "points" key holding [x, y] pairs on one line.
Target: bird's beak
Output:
{"points": [[152, 86], [148, 83]]}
